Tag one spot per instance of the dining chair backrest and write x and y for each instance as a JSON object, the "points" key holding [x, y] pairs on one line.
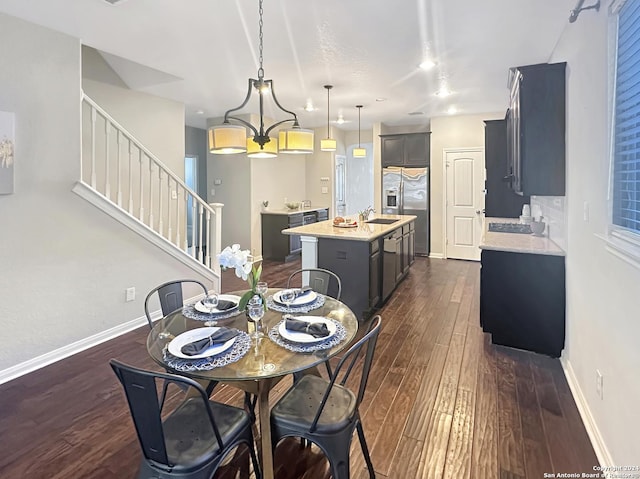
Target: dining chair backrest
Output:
{"points": [[367, 344], [170, 296], [179, 434], [320, 280], [146, 406]]}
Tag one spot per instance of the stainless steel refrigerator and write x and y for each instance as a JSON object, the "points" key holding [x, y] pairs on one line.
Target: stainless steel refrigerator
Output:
{"points": [[405, 191]]}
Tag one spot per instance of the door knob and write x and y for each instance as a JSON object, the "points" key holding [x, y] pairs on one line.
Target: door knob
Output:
{"points": [[480, 211]]}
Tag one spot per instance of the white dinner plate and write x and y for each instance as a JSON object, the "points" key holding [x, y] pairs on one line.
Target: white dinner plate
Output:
{"points": [[227, 297], [175, 346], [307, 298], [299, 337]]}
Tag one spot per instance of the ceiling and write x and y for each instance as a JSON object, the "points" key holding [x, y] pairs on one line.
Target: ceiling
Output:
{"points": [[202, 52]]}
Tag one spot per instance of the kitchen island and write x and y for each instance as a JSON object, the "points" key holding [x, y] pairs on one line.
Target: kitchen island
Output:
{"points": [[522, 290], [370, 258]]}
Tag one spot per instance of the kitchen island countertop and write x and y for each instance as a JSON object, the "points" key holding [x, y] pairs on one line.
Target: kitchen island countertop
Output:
{"points": [[516, 242], [363, 232]]}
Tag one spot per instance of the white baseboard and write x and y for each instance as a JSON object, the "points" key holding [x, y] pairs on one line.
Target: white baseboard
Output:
{"points": [[597, 441], [51, 357], [436, 255], [69, 350]]}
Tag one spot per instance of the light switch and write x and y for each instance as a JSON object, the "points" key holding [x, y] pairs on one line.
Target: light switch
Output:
{"points": [[324, 178], [217, 181], [324, 190]]}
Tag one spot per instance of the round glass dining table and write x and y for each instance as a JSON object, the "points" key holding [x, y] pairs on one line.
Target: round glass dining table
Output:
{"points": [[264, 364]]}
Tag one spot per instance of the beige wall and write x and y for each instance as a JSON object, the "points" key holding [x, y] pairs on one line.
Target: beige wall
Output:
{"points": [[463, 131], [65, 263], [602, 322]]}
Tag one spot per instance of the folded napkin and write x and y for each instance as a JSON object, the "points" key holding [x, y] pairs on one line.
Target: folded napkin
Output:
{"points": [[223, 305], [317, 330], [302, 291], [221, 336]]}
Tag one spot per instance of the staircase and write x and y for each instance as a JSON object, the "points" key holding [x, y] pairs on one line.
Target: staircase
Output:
{"points": [[128, 182]]}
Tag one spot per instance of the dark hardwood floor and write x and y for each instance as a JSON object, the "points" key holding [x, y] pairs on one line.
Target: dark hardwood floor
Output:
{"points": [[441, 402]]}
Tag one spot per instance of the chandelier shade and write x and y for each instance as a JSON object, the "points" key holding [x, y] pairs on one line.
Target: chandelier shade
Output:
{"points": [[227, 139], [268, 150], [296, 139]]}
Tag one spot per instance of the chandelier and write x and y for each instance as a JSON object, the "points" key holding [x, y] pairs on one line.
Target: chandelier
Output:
{"points": [[229, 138]]}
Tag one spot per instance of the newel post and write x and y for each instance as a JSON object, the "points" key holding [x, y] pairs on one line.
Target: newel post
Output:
{"points": [[215, 237]]}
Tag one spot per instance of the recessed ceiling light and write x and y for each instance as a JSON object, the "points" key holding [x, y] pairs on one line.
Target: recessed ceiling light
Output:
{"points": [[309, 106], [452, 110], [199, 112], [381, 99], [427, 64], [416, 113]]}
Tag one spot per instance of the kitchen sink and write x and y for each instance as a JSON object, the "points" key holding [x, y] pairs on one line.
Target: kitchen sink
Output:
{"points": [[381, 221], [510, 228]]}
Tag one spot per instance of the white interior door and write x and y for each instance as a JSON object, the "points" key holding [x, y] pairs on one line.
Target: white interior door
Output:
{"points": [[464, 170]]}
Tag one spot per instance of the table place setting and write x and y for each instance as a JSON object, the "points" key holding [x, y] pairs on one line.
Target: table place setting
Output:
{"points": [[295, 300], [206, 348], [304, 334], [213, 307]]}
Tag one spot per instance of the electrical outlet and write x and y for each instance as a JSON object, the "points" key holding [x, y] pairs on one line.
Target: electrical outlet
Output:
{"points": [[130, 294], [599, 384], [324, 190]]}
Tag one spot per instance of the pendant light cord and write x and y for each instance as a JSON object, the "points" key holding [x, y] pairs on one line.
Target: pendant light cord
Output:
{"points": [[358, 107], [328, 87]]}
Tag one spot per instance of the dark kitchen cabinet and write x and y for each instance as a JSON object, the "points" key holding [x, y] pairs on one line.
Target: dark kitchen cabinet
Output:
{"points": [[358, 264], [500, 200], [375, 274], [408, 241], [276, 245], [536, 130], [522, 300], [409, 149]]}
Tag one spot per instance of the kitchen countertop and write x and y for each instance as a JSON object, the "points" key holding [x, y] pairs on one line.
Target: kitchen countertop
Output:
{"points": [[516, 242], [362, 232], [288, 212]]}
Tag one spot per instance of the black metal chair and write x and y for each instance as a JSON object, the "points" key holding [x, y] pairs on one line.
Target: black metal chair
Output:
{"points": [[170, 296], [321, 281], [192, 440], [325, 412]]}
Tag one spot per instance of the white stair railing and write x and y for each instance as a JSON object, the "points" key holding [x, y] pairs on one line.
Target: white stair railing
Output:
{"points": [[116, 165]]}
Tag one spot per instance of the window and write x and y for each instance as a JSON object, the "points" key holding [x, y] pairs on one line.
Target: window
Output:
{"points": [[626, 140]]}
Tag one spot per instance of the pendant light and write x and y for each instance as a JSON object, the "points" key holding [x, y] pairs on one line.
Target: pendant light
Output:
{"points": [[228, 138], [359, 152], [328, 144]]}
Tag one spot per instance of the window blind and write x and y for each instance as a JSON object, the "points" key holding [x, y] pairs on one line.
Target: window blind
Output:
{"points": [[626, 171]]}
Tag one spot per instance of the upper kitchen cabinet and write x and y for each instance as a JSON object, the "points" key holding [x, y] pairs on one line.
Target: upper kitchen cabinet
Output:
{"points": [[409, 149], [536, 130], [500, 200]]}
